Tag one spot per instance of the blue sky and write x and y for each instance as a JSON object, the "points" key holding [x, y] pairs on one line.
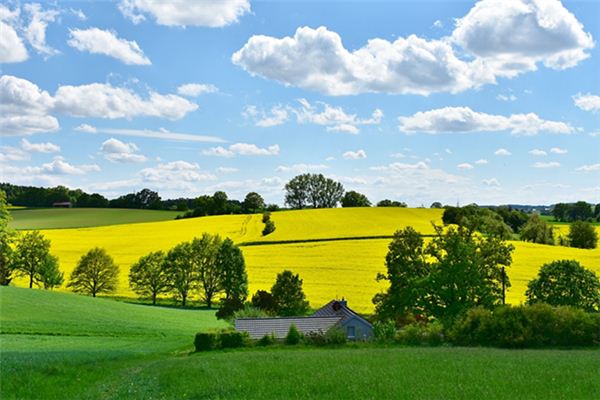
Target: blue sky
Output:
{"points": [[490, 102]]}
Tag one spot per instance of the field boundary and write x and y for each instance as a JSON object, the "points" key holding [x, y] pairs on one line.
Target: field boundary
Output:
{"points": [[294, 241]]}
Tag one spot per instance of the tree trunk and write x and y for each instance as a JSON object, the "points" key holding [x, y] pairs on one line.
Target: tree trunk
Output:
{"points": [[209, 300], [94, 293], [30, 281], [183, 298], [153, 299]]}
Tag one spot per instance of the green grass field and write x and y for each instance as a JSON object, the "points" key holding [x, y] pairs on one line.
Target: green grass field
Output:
{"points": [[56, 218], [64, 346]]}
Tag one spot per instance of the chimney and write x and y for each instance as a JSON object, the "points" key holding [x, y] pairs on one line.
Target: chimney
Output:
{"points": [[344, 302]]}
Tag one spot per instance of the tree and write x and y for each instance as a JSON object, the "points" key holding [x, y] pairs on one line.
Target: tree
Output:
{"points": [[580, 211], [391, 203], [253, 203], [296, 191], [205, 251], [31, 252], [436, 204], [49, 273], [219, 203], [355, 199], [6, 238], [264, 301], [180, 267], [456, 271], [288, 296], [582, 235], [537, 230], [313, 189], [148, 276], [565, 283], [96, 272], [560, 212], [269, 227], [234, 279]]}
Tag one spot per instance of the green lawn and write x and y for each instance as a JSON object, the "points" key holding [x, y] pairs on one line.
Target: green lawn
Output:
{"points": [[55, 218], [66, 346]]}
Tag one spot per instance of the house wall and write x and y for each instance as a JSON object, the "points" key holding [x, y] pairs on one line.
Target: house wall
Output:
{"points": [[362, 330]]}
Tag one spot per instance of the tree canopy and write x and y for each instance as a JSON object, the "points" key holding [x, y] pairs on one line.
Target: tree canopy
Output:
{"points": [[537, 230], [355, 199], [288, 296], [582, 235], [95, 273], [314, 190], [148, 276]]}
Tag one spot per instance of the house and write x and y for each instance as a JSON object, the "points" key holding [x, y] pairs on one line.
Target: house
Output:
{"points": [[336, 313], [62, 204]]}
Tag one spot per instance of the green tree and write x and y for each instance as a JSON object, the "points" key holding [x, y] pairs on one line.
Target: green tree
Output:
{"points": [[436, 204], [205, 251], [288, 296], [391, 203], [7, 236], [148, 276], [296, 191], [565, 283], [233, 279], [580, 211], [96, 272], [31, 252], [219, 203], [313, 190], [355, 199], [253, 203], [537, 230], [269, 227], [561, 212], [582, 235], [180, 267], [49, 273]]}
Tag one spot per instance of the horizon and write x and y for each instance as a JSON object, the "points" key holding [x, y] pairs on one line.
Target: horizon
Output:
{"points": [[396, 100]]}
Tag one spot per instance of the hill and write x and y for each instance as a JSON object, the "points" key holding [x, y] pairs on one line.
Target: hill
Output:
{"points": [[58, 218]]}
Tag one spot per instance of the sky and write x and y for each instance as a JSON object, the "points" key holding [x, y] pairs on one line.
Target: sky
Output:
{"points": [[491, 102]]}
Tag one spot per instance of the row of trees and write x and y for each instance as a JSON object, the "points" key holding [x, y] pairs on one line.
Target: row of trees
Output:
{"points": [[579, 211], [582, 234], [458, 271]]}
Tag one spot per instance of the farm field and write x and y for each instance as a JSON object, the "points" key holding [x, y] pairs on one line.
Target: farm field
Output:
{"points": [[56, 218], [57, 345], [329, 268]]}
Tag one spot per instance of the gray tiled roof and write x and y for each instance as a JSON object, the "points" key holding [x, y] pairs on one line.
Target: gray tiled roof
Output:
{"points": [[259, 327], [343, 311]]}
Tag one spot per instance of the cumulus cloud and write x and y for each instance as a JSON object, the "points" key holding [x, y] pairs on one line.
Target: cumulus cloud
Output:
{"points": [[481, 161], [242, 149], [277, 116], [491, 182], [334, 118], [354, 155], [506, 97], [512, 37], [98, 41], [8, 153], [465, 120], [196, 89], [120, 152], [301, 168], [558, 150], [86, 128], [35, 32], [464, 166], [551, 164], [59, 166], [12, 48], [589, 168], [502, 152], [538, 152], [39, 147], [587, 102], [208, 13]]}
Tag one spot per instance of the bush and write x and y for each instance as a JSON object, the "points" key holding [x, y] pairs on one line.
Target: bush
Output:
{"points": [[229, 307], [420, 334], [333, 337], [269, 228], [583, 235], [266, 217], [293, 336], [538, 325], [263, 300], [250, 312], [267, 340], [232, 339], [384, 332], [205, 341]]}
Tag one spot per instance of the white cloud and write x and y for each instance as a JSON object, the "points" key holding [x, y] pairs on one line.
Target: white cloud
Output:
{"points": [[397, 166], [502, 152], [589, 168], [277, 116], [464, 166], [196, 89], [116, 151], [334, 118], [24, 108], [481, 161], [558, 150], [8, 153], [36, 30], [175, 175], [397, 155], [86, 128], [354, 155], [209, 13], [301, 168], [243, 149], [101, 100], [39, 147], [587, 102], [504, 97], [59, 166], [12, 49], [465, 120], [316, 59], [98, 41], [162, 134], [491, 182], [227, 170], [538, 152], [551, 164], [78, 13], [438, 24], [511, 37]]}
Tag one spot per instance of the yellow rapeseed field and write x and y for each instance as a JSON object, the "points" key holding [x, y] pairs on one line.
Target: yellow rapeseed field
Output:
{"points": [[329, 269]]}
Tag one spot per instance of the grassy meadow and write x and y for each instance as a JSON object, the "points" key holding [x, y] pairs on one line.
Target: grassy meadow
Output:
{"points": [[60, 345], [59, 218], [329, 268]]}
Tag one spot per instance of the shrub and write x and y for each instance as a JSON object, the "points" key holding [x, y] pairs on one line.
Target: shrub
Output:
{"points": [[384, 332], [419, 334], [269, 228], [205, 341], [293, 336], [229, 307], [266, 217], [250, 312], [267, 340], [538, 325], [232, 339], [333, 337], [583, 235], [263, 300]]}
